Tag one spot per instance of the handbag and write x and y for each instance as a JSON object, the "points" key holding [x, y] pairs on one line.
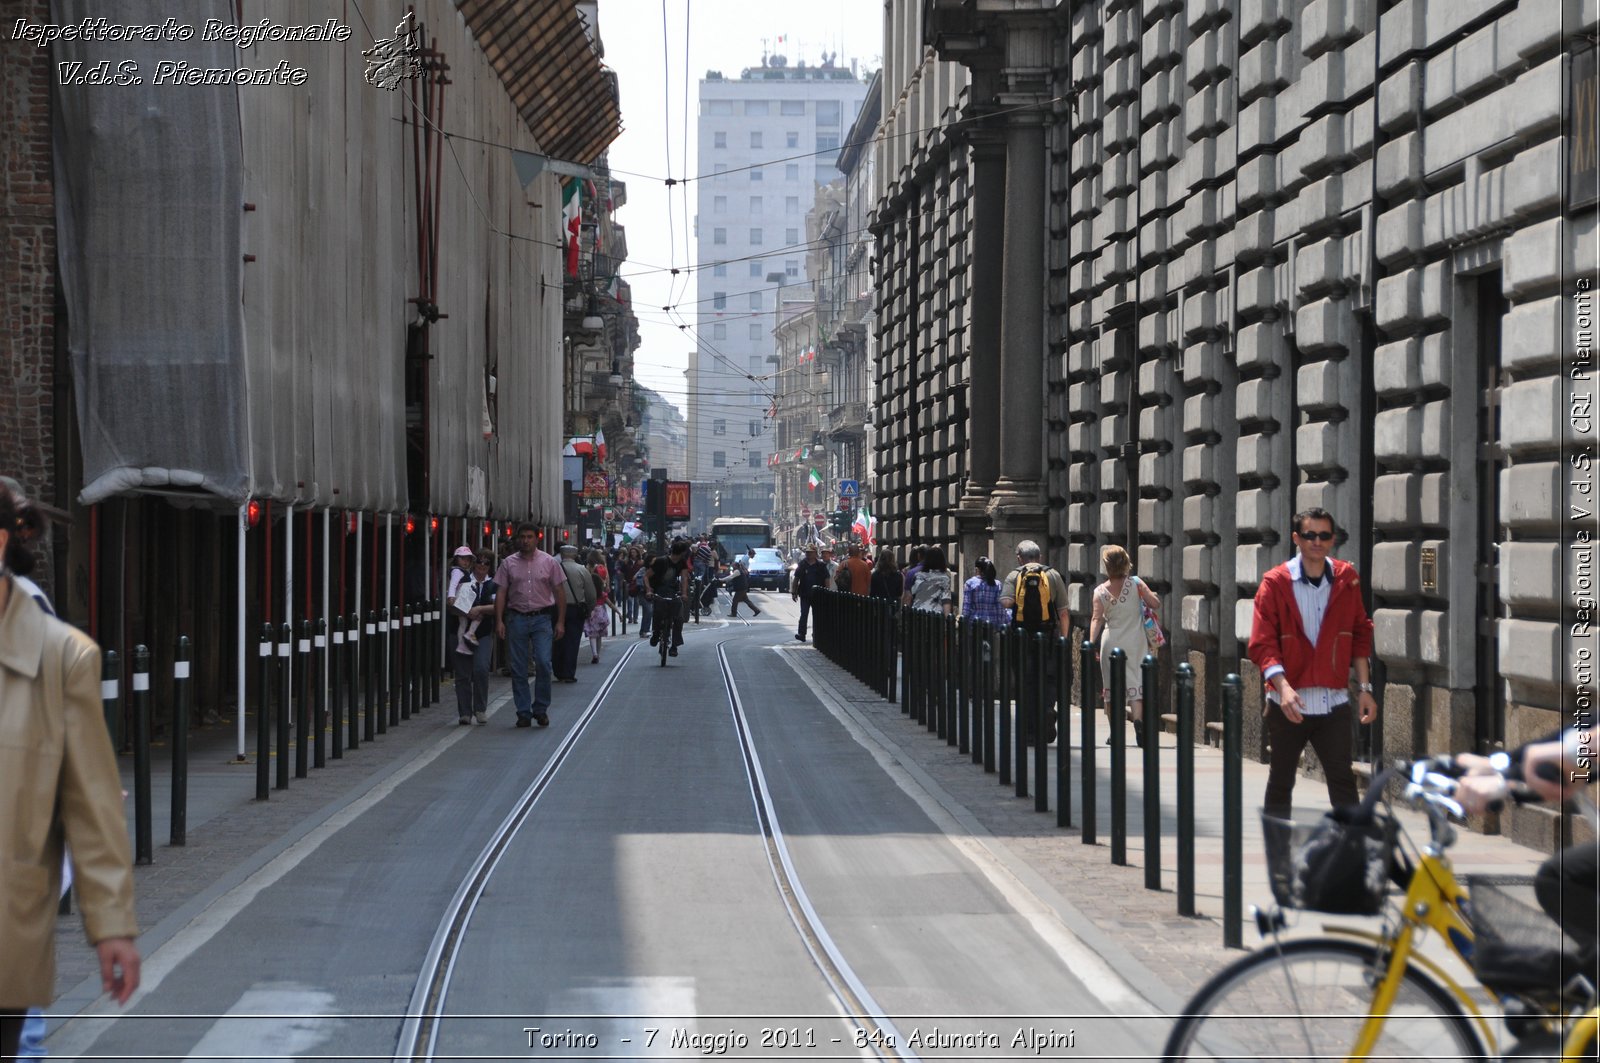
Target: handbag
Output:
{"points": [[1154, 637]]}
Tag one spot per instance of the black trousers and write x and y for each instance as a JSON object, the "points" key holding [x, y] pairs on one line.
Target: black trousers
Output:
{"points": [[1566, 886], [564, 660], [10, 1033], [805, 614], [743, 596], [1331, 736]]}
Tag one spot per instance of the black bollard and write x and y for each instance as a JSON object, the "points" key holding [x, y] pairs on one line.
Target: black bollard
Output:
{"points": [[1116, 706], [302, 701], [1063, 651], [1185, 696], [1005, 647], [319, 696], [1027, 709], [336, 689], [986, 680], [1150, 681], [352, 679], [370, 648], [903, 637], [435, 663], [1040, 677], [407, 685], [1232, 823], [414, 658], [143, 843], [111, 692], [965, 628], [394, 693], [264, 671], [1089, 700], [182, 700], [285, 696]]}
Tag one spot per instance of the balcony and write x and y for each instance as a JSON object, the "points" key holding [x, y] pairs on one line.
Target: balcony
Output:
{"points": [[847, 421]]}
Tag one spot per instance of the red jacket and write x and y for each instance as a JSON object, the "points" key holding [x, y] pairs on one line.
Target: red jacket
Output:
{"points": [[1277, 636]]}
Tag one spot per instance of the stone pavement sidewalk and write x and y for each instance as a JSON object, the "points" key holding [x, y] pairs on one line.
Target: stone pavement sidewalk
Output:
{"points": [[1138, 931]]}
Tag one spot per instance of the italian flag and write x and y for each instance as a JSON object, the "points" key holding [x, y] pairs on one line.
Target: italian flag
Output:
{"points": [[815, 480], [572, 220], [864, 525]]}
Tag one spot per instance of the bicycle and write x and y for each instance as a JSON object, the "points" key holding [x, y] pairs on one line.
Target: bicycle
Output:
{"points": [[1355, 994], [666, 623]]}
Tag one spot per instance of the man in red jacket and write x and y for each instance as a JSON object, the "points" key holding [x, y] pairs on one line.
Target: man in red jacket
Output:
{"points": [[1310, 628]]}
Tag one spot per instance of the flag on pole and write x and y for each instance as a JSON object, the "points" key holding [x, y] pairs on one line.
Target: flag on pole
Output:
{"points": [[864, 525], [600, 443], [815, 479], [572, 220]]}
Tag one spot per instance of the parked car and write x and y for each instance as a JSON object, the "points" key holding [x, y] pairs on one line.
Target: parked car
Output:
{"points": [[768, 570]]}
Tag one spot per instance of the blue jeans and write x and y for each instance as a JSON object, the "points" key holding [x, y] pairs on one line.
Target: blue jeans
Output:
{"points": [[534, 633], [472, 677], [32, 1045]]}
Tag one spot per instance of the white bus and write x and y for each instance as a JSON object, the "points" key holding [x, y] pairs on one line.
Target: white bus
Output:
{"points": [[739, 535]]}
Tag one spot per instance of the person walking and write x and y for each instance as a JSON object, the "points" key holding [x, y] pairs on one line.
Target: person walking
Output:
{"points": [[886, 579], [739, 587], [1310, 630], [533, 590], [980, 598], [598, 626], [472, 606], [58, 784], [912, 570], [461, 563], [581, 597], [1037, 597], [641, 590], [810, 575], [1118, 615], [934, 590], [854, 574]]}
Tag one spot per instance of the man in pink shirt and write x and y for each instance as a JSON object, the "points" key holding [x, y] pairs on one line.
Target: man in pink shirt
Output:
{"points": [[528, 616]]}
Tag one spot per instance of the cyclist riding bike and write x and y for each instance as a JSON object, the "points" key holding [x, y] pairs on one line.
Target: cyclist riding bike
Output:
{"points": [[665, 587]]}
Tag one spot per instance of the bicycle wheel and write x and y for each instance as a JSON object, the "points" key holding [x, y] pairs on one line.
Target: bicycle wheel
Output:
{"points": [[1307, 1000]]}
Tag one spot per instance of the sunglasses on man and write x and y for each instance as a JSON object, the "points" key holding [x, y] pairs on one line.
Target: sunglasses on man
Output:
{"points": [[1316, 536]]}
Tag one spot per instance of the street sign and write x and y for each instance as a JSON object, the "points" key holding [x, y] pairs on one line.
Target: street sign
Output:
{"points": [[820, 520], [677, 499], [849, 488]]}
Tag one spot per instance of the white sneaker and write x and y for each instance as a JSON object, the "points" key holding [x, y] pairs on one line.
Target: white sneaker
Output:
{"points": [[480, 718]]}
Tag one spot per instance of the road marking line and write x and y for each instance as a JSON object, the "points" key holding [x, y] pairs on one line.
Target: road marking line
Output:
{"points": [[273, 1022]]}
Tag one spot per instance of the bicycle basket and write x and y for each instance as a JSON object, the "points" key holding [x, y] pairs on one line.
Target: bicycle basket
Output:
{"points": [[1327, 865], [1516, 947]]}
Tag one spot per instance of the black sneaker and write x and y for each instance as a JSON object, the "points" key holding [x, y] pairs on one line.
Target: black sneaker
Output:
{"points": [[465, 721], [542, 719], [655, 639], [524, 721], [672, 651]]}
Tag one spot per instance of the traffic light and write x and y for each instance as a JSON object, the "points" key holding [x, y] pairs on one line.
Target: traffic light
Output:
{"points": [[840, 521]]}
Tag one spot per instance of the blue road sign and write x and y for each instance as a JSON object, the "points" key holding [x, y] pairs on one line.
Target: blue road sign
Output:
{"points": [[849, 489]]}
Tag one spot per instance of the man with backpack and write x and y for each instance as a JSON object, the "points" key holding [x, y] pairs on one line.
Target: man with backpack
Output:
{"points": [[1037, 597]]}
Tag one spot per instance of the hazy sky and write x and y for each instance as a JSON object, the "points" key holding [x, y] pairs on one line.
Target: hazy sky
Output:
{"points": [[723, 35]]}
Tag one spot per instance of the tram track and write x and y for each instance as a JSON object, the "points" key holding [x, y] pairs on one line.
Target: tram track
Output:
{"points": [[419, 1032]]}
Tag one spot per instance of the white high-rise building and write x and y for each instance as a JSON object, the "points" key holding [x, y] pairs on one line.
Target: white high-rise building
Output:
{"points": [[766, 140]]}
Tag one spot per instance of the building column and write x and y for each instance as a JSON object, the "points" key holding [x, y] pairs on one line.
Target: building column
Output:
{"points": [[984, 342], [1017, 504]]}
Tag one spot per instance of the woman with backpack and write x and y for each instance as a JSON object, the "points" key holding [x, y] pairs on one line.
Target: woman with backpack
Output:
{"points": [[1118, 623]]}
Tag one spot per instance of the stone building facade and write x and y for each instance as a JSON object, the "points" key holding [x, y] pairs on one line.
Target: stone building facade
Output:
{"points": [[1338, 254]]}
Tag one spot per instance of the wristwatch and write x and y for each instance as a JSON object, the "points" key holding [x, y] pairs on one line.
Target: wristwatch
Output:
{"points": [[1365, 688]]}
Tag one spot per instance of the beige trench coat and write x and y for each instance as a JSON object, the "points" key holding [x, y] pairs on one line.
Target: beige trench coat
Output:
{"points": [[58, 782]]}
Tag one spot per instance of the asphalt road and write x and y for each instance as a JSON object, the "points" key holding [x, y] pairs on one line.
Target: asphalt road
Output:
{"points": [[635, 911]]}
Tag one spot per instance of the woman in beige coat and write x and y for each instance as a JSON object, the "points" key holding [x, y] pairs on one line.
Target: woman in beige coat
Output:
{"points": [[58, 784]]}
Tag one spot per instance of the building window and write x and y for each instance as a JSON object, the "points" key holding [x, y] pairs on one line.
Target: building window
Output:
{"points": [[755, 236], [719, 459], [719, 236], [761, 107], [791, 204], [755, 138], [719, 139], [719, 171], [719, 204], [719, 427], [756, 457], [791, 140], [827, 142], [719, 270], [755, 173], [756, 362], [827, 112], [791, 172], [719, 300], [792, 107], [791, 236], [719, 107], [791, 267], [755, 268], [719, 331], [755, 428], [755, 300], [755, 205], [755, 334], [758, 396]]}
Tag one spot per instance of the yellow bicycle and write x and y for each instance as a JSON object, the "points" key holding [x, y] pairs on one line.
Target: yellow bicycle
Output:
{"points": [[1358, 994]]}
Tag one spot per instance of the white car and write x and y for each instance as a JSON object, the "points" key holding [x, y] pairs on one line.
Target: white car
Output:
{"points": [[768, 570]]}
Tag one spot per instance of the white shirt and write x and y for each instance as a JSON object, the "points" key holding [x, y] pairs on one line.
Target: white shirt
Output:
{"points": [[1312, 598]]}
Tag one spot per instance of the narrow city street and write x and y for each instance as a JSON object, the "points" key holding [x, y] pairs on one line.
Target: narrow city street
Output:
{"points": [[708, 853]]}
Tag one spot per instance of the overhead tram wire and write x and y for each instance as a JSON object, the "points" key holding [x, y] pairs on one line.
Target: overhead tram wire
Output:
{"points": [[666, 134]]}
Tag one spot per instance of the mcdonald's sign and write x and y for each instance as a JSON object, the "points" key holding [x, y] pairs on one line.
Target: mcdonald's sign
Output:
{"points": [[677, 499]]}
